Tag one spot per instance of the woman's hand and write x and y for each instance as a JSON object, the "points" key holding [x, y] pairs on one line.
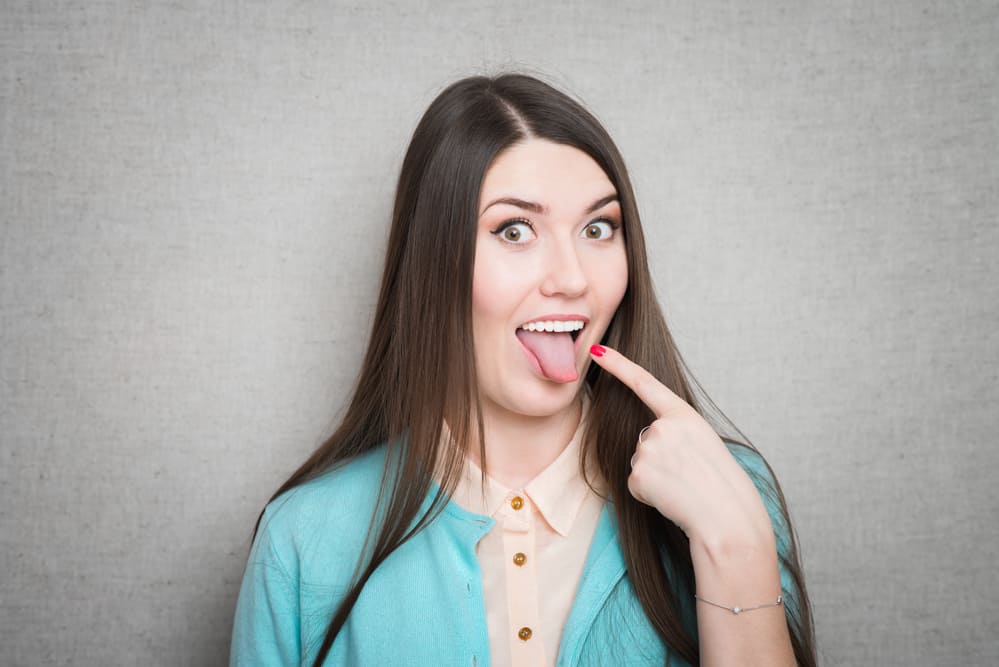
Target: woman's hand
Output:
{"points": [[683, 469]]}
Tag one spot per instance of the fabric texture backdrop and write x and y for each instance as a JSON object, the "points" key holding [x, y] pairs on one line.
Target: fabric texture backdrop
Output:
{"points": [[194, 201]]}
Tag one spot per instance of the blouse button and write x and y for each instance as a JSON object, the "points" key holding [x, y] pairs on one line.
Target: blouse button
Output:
{"points": [[519, 559], [517, 502], [524, 633]]}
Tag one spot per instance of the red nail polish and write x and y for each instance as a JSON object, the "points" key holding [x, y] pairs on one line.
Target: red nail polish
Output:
{"points": [[597, 350]]}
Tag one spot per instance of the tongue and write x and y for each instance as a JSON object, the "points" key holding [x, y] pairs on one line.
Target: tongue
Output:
{"points": [[554, 353]]}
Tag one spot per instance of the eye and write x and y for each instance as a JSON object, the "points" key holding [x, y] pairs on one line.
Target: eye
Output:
{"points": [[600, 230], [514, 231]]}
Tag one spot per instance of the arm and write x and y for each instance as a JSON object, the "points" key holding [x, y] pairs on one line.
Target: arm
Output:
{"points": [[683, 469], [747, 575], [266, 626]]}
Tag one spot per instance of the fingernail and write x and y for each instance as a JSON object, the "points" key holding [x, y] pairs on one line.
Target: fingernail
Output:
{"points": [[597, 350]]}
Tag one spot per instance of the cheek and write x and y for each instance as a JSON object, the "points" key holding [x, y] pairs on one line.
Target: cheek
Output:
{"points": [[487, 310], [611, 280], [485, 295], [620, 284], [494, 293]]}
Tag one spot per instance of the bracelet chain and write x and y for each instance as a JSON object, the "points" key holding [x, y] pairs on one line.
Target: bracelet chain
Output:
{"points": [[739, 610]]}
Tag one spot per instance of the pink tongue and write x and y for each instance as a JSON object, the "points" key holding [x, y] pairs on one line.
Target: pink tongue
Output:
{"points": [[554, 353]]}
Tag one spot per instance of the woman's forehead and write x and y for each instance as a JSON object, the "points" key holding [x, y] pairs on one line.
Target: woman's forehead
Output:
{"points": [[543, 175]]}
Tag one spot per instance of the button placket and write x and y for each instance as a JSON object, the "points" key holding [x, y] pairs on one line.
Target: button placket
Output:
{"points": [[526, 647]]}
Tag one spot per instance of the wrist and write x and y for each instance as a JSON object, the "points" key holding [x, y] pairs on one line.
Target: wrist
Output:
{"points": [[734, 549], [736, 575]]}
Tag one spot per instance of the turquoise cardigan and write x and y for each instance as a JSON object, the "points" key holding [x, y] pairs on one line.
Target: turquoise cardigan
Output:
{"points": [[424, 605]]}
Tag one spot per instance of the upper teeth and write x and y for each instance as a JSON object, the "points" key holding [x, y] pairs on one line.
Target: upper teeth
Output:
{"points": [[554, 325]]}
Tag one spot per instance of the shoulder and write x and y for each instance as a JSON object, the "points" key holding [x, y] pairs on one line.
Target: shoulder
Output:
{"points": [[750, 460], [758, 470], [323, 519], [330, 493], [763, 478], [303, 556]]}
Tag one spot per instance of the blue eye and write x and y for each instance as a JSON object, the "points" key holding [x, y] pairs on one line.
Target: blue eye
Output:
{"points": [[599, 230], [514, 231]]}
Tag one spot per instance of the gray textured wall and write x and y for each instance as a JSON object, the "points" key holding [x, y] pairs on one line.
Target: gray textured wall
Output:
{"points": [[194, 200]]}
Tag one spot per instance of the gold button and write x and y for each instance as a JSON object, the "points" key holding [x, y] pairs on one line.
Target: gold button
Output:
{"points": [[524, 633], [519, 559], [517, 502]]}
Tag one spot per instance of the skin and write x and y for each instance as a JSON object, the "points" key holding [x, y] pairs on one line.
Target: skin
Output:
{"points": [[566, 260]]}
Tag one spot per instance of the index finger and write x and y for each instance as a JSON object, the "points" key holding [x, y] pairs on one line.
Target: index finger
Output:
{"points": [[653, 393]]}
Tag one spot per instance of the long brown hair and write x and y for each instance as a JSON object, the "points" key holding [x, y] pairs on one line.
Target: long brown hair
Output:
{"points": [[419, 371]]}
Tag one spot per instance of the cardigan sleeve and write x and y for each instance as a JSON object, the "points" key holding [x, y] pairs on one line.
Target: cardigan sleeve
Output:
{"points": [[266, 629]]}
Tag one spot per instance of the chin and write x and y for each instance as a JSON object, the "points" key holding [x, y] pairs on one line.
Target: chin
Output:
{"points": [[541, 398]]}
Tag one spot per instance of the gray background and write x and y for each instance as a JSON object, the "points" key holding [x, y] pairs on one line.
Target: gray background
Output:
{"points": [[194, 200]]}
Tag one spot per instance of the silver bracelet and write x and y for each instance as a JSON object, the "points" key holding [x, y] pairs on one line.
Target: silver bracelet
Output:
{"points": [[739, 610]]}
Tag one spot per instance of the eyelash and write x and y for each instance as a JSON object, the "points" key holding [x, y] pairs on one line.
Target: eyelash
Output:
{"points": [[522, 221], [613, 225], [507, 224]]}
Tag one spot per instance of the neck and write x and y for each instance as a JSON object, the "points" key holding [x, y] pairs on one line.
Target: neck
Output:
{"points": [[519, 447]]}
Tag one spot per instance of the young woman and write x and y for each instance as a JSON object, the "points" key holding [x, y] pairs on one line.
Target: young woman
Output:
{"points": [[523, 475]]}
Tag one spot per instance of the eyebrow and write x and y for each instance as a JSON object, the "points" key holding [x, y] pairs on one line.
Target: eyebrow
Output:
{"points": [[543, 210]]}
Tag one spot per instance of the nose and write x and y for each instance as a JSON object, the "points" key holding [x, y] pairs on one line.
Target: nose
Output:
{"points": [[564, 274]]}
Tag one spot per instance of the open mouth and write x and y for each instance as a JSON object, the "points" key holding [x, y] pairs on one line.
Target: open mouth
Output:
{"points": [[551, 345]]}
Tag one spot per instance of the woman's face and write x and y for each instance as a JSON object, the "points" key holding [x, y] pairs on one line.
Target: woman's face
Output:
{"points": [[549, 255]]}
